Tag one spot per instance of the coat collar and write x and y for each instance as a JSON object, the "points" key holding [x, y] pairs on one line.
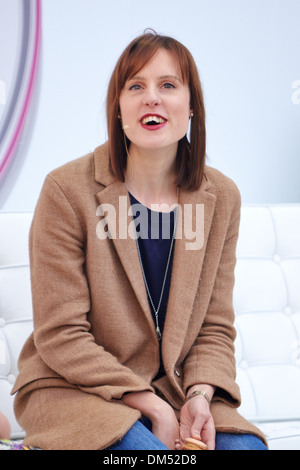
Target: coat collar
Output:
{"points": [[103, 173], [187, 263]]}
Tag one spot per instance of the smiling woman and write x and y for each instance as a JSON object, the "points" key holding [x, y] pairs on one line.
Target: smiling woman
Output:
{"points": [[159, 106], [133, 342], [161, 71]]}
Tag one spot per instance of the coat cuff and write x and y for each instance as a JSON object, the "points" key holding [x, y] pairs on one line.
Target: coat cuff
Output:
{"points": [[227, 389]]}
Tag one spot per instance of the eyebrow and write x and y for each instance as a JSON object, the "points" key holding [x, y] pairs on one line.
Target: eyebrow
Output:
{"points": [[162, 77]]}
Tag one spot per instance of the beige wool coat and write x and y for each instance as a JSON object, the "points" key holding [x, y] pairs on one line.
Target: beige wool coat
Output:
{"points": [[94, 337]]}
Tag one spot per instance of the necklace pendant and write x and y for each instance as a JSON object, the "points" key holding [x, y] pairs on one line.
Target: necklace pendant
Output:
{"points": [[158, 332]]}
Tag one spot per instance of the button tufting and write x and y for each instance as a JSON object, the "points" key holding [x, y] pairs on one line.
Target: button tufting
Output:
{"points": [[288, 310], [276, 258], [11, 379]]}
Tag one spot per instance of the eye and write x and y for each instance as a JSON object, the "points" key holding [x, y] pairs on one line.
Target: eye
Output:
{"points": [[168, 85], [135, 87]]}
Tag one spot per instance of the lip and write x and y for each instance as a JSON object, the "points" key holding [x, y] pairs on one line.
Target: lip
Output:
{"points": [[156, 126]]}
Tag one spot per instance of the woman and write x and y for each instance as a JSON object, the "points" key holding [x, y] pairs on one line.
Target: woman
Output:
{"points": [[133, 335]]}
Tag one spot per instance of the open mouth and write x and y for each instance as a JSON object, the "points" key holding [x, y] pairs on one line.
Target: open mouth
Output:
{"points": [[153, 122]]}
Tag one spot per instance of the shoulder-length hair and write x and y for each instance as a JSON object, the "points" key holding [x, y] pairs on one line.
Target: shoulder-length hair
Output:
{"points": [[190, 159]]}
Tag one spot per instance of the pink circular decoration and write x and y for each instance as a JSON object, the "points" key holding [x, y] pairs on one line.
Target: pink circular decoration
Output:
{"points": [[32, 10]]}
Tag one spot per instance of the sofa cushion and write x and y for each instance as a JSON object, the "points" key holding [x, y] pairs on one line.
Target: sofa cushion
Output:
{"points": [[282, 435], [267, 307], [15, 305]]}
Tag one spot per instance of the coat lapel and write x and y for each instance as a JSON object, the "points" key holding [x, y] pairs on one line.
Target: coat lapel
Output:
{"points": [[115, 195], [187, 266]]}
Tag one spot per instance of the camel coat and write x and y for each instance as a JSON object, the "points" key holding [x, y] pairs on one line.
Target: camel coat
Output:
{"points": [[94, 337]]}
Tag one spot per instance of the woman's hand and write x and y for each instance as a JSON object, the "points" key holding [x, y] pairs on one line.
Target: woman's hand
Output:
{"points": [[165, 425], [196, 420]]}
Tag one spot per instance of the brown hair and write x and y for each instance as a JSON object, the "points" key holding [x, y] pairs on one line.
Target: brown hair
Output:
{"points": [[190, 157]]}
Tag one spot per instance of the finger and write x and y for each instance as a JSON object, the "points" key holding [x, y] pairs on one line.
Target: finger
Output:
{"points": [[209, 435], [178, 445], [196, 430]]}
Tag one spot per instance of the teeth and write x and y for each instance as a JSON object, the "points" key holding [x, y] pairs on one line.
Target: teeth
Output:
{"points": [[153, 118]]}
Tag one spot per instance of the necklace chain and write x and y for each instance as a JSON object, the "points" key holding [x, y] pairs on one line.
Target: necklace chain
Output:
{"points": [[156, 310]]}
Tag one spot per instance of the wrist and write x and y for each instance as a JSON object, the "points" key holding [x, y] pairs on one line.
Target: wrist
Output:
{"points": [[203, 390], [149, 404], [197, 393], [159, 410], [209, 389]]}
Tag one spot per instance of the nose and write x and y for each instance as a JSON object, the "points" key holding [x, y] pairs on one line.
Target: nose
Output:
{"points": [[151, 97]]}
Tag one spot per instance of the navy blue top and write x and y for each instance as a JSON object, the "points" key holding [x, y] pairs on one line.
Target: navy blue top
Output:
{"points": [[154, 233]]}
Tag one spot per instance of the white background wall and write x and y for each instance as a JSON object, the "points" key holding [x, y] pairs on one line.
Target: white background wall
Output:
{"points": [[248, 58]]}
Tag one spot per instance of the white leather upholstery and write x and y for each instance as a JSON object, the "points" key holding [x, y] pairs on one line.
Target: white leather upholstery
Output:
{"points": [[15, 304], [267, 305]]}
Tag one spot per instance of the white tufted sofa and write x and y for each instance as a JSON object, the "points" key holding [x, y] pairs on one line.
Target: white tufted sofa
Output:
{"points": [[267, 305], [15, 304]]}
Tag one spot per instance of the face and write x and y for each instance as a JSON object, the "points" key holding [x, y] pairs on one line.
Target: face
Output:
{"points": [[155, 104]]}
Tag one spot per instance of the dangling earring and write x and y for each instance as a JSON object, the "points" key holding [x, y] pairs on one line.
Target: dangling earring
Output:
{"points": [[191, 114], [123, 127]]}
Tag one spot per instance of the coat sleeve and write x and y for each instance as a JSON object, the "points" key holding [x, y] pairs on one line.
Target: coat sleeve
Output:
{"points": [[211, 360], [61, 302]]}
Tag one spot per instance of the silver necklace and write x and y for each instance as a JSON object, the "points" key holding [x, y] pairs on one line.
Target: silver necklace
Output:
{"points": [[156, 310]]}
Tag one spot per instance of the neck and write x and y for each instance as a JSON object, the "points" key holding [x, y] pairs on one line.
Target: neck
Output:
{"points": [[150, 175]]}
